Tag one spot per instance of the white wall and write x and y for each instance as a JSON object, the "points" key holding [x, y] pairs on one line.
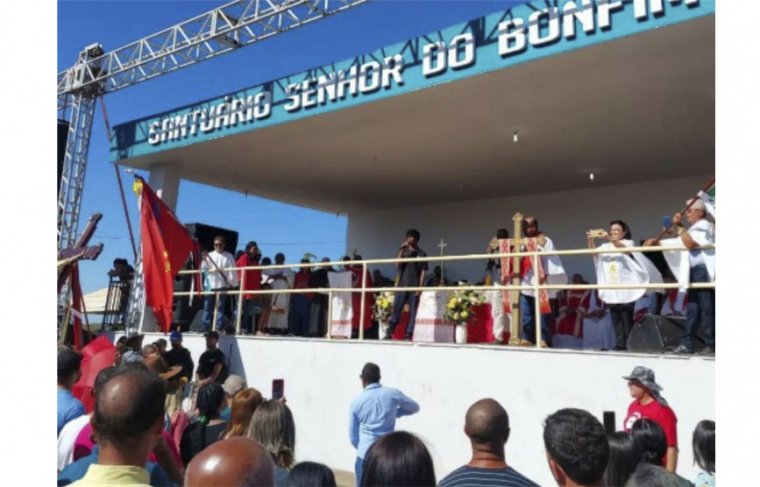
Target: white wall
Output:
{"points": [[468, 226], [321, 379]]}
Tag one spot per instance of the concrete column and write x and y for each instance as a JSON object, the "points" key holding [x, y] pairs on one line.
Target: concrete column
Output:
{"points": [[165, 182]]}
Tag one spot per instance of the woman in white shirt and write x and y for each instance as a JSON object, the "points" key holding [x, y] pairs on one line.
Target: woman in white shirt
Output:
{"points": [[619, 268]]}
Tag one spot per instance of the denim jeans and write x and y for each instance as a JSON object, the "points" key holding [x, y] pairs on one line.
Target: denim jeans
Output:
{"points": [[358, 470], [398, 307], [300, 310], [527, 310], [208, 310], [251, 308], [699, 310]]}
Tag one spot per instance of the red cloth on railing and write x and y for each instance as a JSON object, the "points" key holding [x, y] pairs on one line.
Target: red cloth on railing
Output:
{"points": [[356, 299], [400, 332]]}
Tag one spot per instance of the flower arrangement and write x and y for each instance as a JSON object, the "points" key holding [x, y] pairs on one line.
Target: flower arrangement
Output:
{"points": [[460, 304], [381, 311]]}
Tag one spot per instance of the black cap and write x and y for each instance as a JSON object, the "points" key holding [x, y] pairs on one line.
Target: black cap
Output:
{"points": [[69, 361]]}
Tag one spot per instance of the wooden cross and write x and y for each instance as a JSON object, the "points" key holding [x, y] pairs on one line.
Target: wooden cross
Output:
{"points": [[69, 256], [442, 245]]}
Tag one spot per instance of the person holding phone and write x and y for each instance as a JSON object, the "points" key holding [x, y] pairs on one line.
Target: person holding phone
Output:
{"points": [[620, 269]]}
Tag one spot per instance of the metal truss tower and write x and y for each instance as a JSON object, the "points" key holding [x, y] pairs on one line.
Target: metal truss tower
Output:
{"points": [[96, 73]]}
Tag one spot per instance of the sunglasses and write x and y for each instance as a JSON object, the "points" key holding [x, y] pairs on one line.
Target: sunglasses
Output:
{"points": [[217, 244]]}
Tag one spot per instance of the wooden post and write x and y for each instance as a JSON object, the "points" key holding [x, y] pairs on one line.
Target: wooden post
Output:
{"points": [[65, 323], [515, 324]]}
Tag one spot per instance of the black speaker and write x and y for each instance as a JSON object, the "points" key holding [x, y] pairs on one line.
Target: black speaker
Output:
{"points": [[63, 135], [657, 334], [659, 262], [182, 311], [205, 234]]}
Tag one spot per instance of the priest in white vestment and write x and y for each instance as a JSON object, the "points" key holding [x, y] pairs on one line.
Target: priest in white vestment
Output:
{"points": [[341, 304], [281, 279]]}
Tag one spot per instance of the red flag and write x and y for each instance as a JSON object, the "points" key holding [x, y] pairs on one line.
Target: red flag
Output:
{"points": [[166, 245]]}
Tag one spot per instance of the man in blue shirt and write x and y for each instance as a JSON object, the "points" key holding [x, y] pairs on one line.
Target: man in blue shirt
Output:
{"points": [[69, 370], [373, 413]]}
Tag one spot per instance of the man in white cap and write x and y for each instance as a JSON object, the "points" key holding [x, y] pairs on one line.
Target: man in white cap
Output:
{"points": [[695, 266]]}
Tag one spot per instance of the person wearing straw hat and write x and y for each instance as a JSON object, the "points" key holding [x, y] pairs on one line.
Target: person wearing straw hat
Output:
{"points": [[649, 403]]}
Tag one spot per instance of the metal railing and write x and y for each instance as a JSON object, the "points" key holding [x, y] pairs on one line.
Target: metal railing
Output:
{"points": [[536, 287]]}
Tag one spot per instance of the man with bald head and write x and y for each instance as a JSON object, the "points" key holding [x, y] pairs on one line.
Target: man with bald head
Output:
{"points": [[486, 424], [235, 462], [127, 424]]}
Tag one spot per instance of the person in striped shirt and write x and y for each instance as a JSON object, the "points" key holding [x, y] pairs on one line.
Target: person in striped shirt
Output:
{"points": [[486, 424]]}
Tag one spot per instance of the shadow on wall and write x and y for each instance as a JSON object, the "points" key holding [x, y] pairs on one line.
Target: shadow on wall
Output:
{"points": [[229, 345]]}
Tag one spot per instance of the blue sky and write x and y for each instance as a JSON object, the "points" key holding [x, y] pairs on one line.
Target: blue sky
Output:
{"points": [[275, 226]]}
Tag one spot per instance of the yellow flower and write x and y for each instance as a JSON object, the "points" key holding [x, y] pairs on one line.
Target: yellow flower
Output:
{"points": [[465, 314], [453, 303], [456, 316]]}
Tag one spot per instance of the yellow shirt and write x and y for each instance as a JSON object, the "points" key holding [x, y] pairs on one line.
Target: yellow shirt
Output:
{"points": [[98, 475]]}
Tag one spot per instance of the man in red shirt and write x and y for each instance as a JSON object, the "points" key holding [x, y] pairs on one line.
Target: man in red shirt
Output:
{"points": [[648, 403], [251, 281]]}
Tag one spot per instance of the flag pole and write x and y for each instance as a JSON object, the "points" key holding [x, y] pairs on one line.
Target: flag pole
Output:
{"points": [[686, 208]]}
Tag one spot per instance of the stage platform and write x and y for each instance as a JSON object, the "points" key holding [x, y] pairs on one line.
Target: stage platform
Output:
{"points": [[322, 377]]}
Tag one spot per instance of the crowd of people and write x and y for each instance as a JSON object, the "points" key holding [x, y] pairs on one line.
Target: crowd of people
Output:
{"points": [[579, 319], [145, 429]]}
